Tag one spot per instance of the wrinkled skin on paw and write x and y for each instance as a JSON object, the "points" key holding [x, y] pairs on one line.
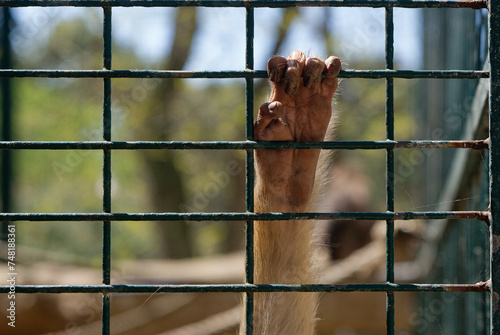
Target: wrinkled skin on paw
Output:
{"points": [[299, 110]]}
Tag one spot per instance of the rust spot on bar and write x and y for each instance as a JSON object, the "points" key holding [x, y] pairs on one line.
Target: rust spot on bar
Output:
{"points": [[495, 243], [478, 215], [473, 4], [474, 144], [494, 298], [481, 215], [483, 286]]}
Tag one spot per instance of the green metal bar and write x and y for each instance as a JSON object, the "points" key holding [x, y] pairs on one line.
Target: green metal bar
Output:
{"points": [[410, 74], [228, 216], [250, 172], [240, 145], [106, 199], [250, 3], [389, 124], [6, 87], [382, 287], [494, 101], [248, 73]]}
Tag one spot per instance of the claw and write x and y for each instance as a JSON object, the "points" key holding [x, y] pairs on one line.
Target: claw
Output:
{"points": [[333, 66], [276, 68], [312, 72], [292, 77]]}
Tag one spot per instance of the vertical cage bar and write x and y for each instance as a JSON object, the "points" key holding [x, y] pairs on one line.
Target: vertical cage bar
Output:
{"points": [[389, 114], [494, 51], [6, 119], [106, 199], [249, 96]]}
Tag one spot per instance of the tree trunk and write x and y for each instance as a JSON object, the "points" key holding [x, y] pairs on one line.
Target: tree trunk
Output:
{"points": [[164, 178]]}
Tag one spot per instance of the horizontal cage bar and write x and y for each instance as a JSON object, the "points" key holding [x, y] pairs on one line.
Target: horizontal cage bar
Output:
{"points": [[237, 145], [249, 3], [237, 288], [478, 215], [368, 74]]}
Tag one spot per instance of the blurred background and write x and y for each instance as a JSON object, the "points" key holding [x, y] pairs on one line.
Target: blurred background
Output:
{"points": [[65, 181]]}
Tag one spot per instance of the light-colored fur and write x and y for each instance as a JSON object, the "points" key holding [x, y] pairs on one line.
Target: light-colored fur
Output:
{"points": [[287, 181]]}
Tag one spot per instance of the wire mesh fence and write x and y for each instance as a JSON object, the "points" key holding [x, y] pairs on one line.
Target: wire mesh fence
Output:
{"points": [[107, 146]]}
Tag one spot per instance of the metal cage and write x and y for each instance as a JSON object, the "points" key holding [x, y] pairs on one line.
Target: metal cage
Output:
{"points": [[107, 145]]}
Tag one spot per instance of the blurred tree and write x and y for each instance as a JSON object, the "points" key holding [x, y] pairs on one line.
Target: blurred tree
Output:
{"points": [[164, 178]]}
